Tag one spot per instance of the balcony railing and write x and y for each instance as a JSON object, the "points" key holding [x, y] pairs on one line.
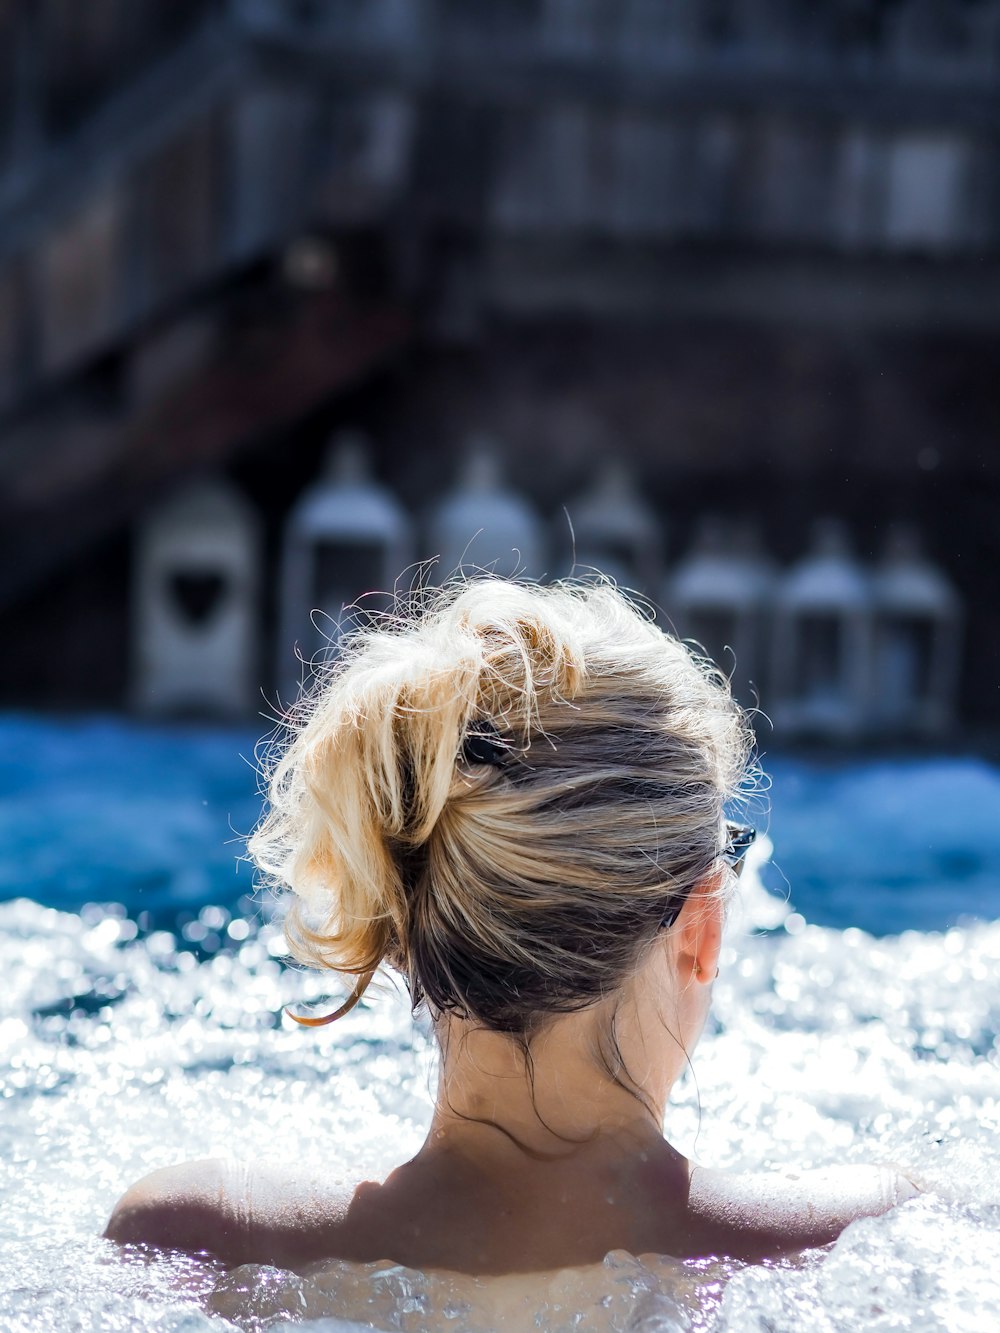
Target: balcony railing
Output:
{"points": [[851, 126]]}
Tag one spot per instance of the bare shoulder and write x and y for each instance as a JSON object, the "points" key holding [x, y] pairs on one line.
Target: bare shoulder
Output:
{"points": [[755, 1214], [238, 1212], [178, 1207]]}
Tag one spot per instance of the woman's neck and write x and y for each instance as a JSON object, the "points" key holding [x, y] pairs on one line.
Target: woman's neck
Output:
{"points": [[561, 1092]]}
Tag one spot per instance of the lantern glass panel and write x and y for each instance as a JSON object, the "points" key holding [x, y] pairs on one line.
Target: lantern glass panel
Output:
{"points": [[819, 664], [905, 657], [717, 632], [198, 594], [344, 571]]}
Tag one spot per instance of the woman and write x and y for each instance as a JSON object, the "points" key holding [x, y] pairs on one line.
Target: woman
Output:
{"points": [[514, 797]]}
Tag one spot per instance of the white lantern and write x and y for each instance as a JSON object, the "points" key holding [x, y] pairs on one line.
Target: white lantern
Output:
{"points": [[718, 596], [347, 541], [615, 532], [821, 660], [195, 605], [484, 525], [917, 623]]}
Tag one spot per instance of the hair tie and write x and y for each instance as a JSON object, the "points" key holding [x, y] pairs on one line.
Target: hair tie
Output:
{"points": [[484, 746]]}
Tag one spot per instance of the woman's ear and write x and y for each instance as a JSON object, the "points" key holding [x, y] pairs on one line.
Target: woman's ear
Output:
{"points": [[696, 937]]}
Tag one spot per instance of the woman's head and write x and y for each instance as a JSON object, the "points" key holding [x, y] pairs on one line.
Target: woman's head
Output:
{"points": [[502, 792]]}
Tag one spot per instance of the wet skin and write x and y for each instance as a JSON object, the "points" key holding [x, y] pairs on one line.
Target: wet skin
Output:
{"points": [[524, 1174], [445, 1212]]}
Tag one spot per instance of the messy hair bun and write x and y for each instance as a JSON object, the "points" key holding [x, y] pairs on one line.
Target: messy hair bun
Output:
{"points": [[501, 792]]}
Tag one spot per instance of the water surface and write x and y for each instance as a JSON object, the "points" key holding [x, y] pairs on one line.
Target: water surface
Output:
{"points": [[143, 1033]]}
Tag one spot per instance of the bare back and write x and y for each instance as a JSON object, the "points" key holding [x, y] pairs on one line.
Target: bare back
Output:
{"points": [[459, 1217]]}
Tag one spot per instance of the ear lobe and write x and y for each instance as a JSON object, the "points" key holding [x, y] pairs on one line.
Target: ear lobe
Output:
{"points": [[697, 932]]}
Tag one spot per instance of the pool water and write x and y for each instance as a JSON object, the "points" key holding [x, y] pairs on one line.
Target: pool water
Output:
{"points": [[148, 1030]]}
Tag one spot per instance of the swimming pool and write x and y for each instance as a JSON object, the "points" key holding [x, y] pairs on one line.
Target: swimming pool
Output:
{"points": [[146, 1032]]}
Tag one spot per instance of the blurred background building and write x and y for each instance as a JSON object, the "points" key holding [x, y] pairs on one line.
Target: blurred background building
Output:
{"points": [[746, 251]]}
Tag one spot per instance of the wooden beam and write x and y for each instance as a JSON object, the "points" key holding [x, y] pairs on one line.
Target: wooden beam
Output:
{"points": [[74, 480]]}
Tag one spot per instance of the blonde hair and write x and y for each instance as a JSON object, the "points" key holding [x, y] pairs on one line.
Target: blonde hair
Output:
{"points": [[501, 791]]}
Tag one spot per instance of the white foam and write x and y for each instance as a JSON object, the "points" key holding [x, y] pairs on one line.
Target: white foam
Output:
{"points": [[118, 1056]]}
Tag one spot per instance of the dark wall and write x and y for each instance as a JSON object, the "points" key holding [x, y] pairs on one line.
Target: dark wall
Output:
{"points": [[772, 424]]}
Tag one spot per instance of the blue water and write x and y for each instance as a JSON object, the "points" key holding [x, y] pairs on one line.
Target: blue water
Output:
{"points": [[130, 1044], [101, 810], [104, 810], [886, 845]]}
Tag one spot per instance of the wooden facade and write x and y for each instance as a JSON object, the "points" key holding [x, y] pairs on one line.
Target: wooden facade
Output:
{"points": [[222, 220]]}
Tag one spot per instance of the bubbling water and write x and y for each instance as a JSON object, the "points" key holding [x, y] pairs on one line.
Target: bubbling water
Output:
{"points": [[122, 1054], [134, 1038], [623, 1292]]}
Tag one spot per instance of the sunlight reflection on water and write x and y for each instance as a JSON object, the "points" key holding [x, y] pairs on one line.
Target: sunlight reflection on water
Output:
{"points": [[124, 1049]]}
